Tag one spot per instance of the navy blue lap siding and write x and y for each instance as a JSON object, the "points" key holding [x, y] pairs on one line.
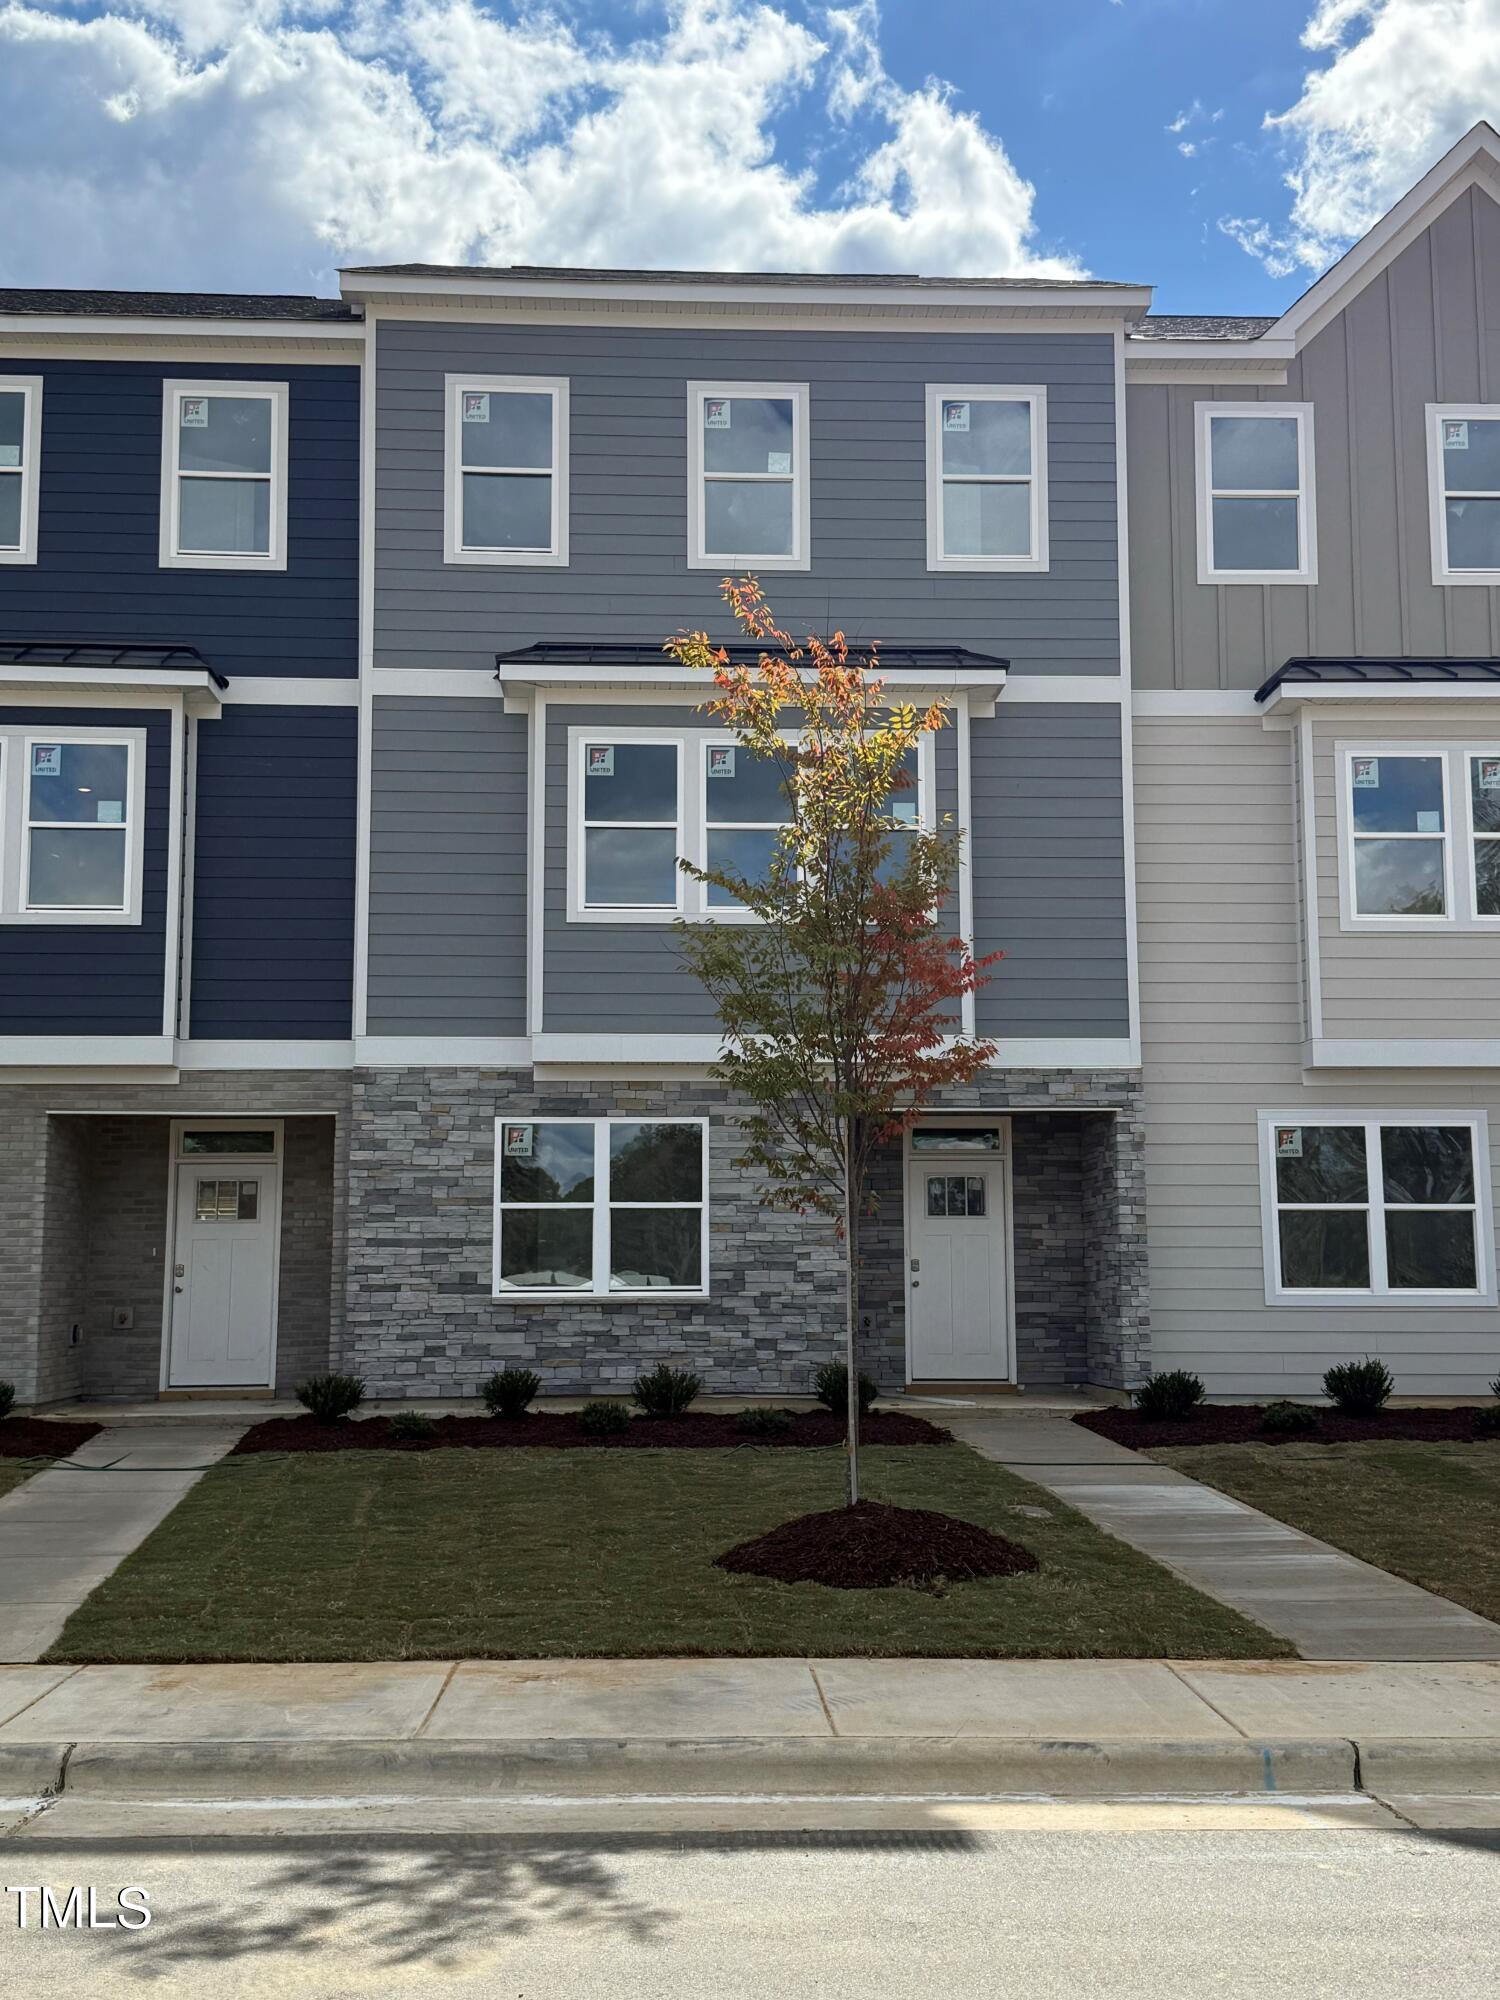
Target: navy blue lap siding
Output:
{"points": [[96, 979], [273, 874], [98, 574]]}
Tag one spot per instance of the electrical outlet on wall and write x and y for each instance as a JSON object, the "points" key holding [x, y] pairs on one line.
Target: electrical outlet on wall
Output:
{"points": [[122, 1319]]}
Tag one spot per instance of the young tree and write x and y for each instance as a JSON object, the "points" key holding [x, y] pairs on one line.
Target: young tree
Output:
{"points": [[840, 1005]]}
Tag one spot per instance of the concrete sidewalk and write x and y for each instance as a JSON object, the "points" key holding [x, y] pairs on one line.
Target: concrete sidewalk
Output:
{"points": [[63, 1531], [1328, 1604], [528, 1732]]}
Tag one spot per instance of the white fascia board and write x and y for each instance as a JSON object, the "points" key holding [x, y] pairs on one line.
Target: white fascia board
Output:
{"points": [[462, 681], [1011, 1053], [1108, 301], [442, 1052], [1065, 1052], [1293, 694], [1326, 1053], [221, 1055], [985, 682], [87, 1052], [285, 691], [1270, 350], [1157, 702], [197, 684], [1064, 687]]}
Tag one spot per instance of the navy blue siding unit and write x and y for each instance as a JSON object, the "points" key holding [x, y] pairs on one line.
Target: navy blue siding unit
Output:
{"points": [[98, 575], [96, 979], [273, 874]]}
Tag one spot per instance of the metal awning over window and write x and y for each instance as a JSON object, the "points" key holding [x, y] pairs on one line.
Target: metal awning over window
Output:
{"points": [[1341, 678], [94, 655]]}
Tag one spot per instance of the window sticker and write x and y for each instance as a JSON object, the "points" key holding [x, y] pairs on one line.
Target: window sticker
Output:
{"points": [[716, 413], [476, 406], [195, 413], [110, 812], [1366, 773], [1489, 774], [601, 760], [46, 760], [1455, 434], [517, 1144], [721, 760], [1429, 822], [1289, 1142], [778, 461], [955, 416]]}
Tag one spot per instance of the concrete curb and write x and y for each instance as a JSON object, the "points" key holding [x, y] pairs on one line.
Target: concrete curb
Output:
{"points": [[30, 1770], [1447, 1764], [845, 1767]]}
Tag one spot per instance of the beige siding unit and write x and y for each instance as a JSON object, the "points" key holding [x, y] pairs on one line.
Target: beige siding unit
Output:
{"points": [[1224, 1019]]}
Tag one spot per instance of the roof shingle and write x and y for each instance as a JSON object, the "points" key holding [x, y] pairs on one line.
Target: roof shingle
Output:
{"points": [[173, 305]]}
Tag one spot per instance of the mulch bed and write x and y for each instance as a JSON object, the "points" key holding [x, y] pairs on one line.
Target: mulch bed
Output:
{"points": [[556, 1431], [43, 1437], [1240, 1423], [873, 1547]]}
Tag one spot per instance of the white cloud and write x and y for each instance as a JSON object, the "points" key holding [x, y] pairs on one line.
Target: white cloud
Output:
{"points": [[226, 144], [1404, 80]]}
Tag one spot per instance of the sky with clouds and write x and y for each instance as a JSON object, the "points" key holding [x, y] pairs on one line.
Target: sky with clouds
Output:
{"points": [[1226, 152]]}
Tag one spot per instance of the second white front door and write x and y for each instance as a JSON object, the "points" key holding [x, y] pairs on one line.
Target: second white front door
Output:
{"points": [[224, 1274], [960, 1293]]}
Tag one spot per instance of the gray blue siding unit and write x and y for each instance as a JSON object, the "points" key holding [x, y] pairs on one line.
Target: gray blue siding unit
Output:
{"points": [[273, 874], [447, 868], [1049, 870], [98, 574], [627, 576], [96, 979]]}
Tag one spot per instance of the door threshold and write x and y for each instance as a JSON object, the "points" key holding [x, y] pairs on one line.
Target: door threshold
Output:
{"points": [[963, 1389], [216, 1394]]}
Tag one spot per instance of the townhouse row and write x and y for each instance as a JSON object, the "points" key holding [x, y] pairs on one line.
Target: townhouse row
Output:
{"points": [[343, 780]]}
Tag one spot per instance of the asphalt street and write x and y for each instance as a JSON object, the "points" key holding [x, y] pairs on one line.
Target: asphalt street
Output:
{"points": [[1110, 1913]]}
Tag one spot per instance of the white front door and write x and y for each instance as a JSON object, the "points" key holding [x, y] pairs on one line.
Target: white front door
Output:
{"points": [[960, 1297], [224, 1274]]}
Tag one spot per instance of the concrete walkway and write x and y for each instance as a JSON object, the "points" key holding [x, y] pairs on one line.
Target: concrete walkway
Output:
{"points": [[1329, 1605], [63, 1531]]}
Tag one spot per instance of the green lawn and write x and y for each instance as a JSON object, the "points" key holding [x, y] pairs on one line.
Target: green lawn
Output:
{"points": [[1428, 1512], [527, 1554]]}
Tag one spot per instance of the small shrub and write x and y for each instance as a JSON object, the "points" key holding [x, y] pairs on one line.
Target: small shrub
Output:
{"points": [[1289, 1419], [509, 1390], [1169, 1397], [831, 1387], [1494, 1386], [329, 1397], [7, 1398], [1487, 1422], [763, 1423], [1359, 1388], [410, 1424], [603, 1419], [666, 1392]]}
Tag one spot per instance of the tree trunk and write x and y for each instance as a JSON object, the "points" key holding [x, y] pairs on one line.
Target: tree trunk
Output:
{"points": [[850, 1357]]}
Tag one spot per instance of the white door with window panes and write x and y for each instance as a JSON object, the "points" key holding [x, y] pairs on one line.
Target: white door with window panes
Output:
{"points": [[958, 1282], [228, 1207]]}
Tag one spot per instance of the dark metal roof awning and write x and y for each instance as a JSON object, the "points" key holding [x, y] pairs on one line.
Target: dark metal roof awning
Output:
{"points": [[107, 656], [649, 654], [1381, 673]]}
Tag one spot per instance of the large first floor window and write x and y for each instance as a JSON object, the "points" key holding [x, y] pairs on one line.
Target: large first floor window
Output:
{"points": [[1387, 1206], [1419, 833], [71, 806], [601, 1206]]}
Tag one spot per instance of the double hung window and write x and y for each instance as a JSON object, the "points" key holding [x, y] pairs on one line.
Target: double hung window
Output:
{"points": [[1420, 835], [224, 475], [20, 465], [748, 475], [1256, 520], [1463, 464], [507, 470], [70, 826], [986, 478]]}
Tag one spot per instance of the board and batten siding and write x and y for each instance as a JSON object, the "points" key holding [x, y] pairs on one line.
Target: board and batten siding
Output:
{"points": [[1048, 859], [98, 572], [1223, 1020], [1426, 330], [627, 576], [447, 941]]}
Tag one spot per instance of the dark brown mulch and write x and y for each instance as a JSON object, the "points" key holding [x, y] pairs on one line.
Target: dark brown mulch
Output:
{"points": [[1240, 1423], [872, 1547], [555, 1431], [43, 1437]]}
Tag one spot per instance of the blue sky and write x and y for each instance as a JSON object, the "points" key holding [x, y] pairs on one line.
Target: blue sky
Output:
{"points": [[1224, 151]]}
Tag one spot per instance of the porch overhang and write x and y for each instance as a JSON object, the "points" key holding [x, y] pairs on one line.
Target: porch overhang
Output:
{"points": [[46, 668]]}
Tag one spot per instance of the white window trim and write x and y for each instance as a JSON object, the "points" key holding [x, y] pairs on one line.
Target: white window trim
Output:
{"points": [[15, 826], [692, 821], [555, 555], [1437, 513], [1460, 889], [801, 557], [600, 1289], [1307, 510], [277, 394], [1379, 1292], [1035, 397], [30, 474]]}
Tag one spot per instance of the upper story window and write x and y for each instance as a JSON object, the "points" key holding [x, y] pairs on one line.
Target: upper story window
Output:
{"points": [[1256, 518], [1419, 836], [20, 455], [639, 800], [71, 808], [1463, 460], [506, 485], [748, 476], [986, 478], [1389, 1206], [224, 455]]}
